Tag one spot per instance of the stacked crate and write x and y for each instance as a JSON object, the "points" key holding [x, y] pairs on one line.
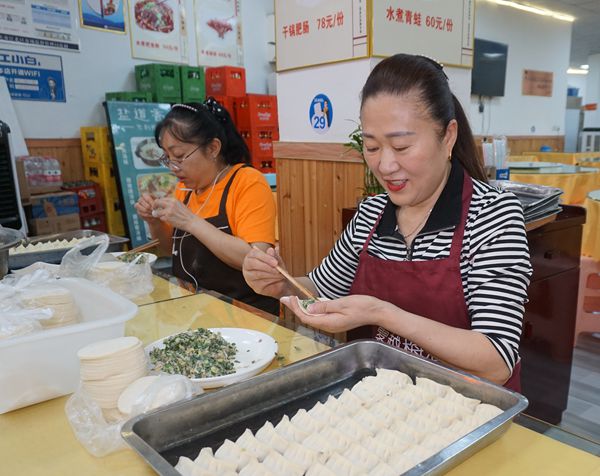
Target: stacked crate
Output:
{"points": [[98, 167], [131, 96], [226, 84], [256, 116], [163, 81], [192, 84], [91, 208]]}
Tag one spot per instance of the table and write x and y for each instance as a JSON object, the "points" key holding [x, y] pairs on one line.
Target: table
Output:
{"points": [[576, 182], [38, 440], [567, 158]]}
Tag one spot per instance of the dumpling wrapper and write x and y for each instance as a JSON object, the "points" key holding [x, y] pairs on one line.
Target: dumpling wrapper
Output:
{"points": [[105, 348]]}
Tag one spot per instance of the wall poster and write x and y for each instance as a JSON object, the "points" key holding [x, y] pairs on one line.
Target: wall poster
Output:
{"points": [[440, 29], [105, 15], [218, 32], [158, 30], [51, 23], [319, 32], [136, 154], [33, 76], [537, 83]]}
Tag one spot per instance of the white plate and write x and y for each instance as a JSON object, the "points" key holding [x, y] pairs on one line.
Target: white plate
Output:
{"points": [[532, 165], [255, 351], [149, 256]]}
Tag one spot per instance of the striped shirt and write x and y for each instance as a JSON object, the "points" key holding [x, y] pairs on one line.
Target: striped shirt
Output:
{"points": [[495, 266]]}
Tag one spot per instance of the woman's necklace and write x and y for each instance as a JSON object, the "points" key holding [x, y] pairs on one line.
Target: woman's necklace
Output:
{"points": [[212, 188], [419, 226]]}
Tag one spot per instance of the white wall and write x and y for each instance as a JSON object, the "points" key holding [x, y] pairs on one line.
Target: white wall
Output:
{"points": [[105, 64], [341, 83], [592, 94], [534, 42]]}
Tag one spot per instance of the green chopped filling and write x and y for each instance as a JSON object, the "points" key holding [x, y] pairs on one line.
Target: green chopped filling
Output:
{"points": [[129, 257], [199, 353]]}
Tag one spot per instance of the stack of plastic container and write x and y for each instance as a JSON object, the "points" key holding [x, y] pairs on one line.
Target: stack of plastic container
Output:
{"points": [[256, 116], [91, 208], [226, 84], [162, 80], [98, 167]]}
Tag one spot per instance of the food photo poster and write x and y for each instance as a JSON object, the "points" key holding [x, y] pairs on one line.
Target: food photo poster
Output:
{"points": [[158, 30], [104, 15], [218, 32]]}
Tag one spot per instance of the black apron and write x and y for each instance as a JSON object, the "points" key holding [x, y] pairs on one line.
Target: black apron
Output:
{"points": [[208, 271]]}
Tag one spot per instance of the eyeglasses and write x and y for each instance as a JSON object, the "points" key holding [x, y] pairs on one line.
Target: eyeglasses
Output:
{"points": [[175, 164]]}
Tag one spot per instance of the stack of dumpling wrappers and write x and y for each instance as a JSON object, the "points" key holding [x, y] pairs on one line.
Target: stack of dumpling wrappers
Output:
{"points": [[108, 367], [57, 299], [384, 426]]}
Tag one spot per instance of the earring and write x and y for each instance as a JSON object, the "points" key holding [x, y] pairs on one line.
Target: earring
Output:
{"points": [[450, 158]]}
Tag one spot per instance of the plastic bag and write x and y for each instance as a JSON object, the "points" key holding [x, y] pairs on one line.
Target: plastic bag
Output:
{"points": [[77, 265], [130, 280], [15, 318], [102, 437]]}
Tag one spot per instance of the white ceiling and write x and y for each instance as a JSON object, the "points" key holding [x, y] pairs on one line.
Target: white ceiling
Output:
{"points": [[586, 27]]}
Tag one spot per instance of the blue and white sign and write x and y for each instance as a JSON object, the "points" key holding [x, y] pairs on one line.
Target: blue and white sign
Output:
{"points": [[33, 76], [320, 113]]}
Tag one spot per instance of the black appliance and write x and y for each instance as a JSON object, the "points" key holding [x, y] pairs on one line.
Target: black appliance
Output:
{"points": [[9, 205]]}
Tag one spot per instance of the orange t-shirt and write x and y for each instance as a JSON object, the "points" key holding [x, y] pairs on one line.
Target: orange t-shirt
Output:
{"points": [[250, 206]]}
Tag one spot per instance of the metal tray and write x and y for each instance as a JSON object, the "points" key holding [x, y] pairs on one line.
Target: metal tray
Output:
{"points": [[21, 260], [183, 428]]}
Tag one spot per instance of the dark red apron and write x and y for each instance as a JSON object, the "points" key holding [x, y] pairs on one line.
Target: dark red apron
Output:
{"points": [[210, 272], [431, 288]]}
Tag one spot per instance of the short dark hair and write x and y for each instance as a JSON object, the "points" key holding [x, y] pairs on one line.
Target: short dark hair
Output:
{"points": [[403, 74], [200, 123]]}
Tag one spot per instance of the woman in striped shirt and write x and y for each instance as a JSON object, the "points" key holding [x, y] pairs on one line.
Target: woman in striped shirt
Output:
{"points": [[439, 265]]}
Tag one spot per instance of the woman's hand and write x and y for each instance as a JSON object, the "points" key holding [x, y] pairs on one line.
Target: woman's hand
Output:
{"points": [[260, 272], [144, 207], [174, 212], [339, 315]]}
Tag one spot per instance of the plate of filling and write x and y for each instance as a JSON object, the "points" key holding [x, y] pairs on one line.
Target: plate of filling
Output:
{"points": [[128, 257], [213, 357]]}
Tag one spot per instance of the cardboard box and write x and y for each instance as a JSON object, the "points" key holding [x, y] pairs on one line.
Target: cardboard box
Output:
{"points": [[27, 190], [54, 204], [50, 225]]}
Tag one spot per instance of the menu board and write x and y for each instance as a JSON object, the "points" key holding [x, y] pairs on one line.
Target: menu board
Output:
{"points": [[319, 32], [440, 29], [136, 152], [51, 23], [158, 30]]}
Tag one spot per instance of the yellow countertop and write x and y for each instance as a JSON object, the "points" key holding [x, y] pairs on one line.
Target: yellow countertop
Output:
{"points": [[37, 440]]}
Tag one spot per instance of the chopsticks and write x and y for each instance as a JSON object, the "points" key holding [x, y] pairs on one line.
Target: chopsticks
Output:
{"points": [[145, 246], [292, 280], [296, 284]]}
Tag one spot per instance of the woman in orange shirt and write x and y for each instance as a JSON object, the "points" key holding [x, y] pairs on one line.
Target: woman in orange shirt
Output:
{"points": [[221, 207]]}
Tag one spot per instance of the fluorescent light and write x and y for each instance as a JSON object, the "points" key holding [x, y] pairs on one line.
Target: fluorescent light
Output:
{"points": [[533, 9], [585, 66], [577, 71]]}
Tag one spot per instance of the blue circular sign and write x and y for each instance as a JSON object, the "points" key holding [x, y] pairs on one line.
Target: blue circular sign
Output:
{"points": [[320, 113]]}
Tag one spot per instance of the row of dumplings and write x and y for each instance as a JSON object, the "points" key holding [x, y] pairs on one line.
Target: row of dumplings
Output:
{"points": [[45, 246], [385, 425]]}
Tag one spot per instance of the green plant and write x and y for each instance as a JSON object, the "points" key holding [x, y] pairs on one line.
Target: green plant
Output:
{"points": [[371, 185]]}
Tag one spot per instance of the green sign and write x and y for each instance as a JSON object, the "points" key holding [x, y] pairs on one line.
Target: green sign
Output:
{"points": [[136, 153]]}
